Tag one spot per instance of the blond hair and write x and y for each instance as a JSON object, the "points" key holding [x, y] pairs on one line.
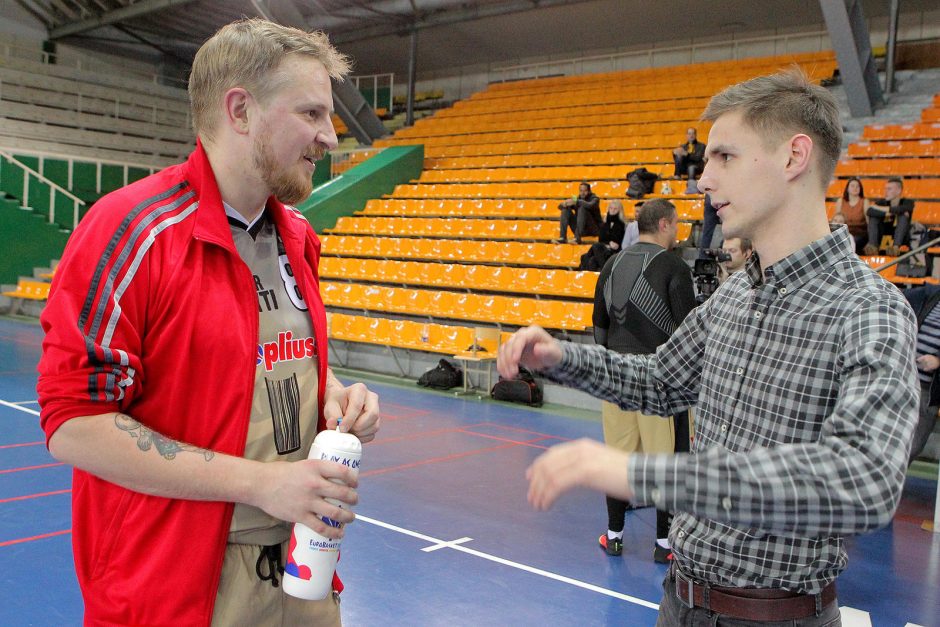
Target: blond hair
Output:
{"points": [[247, 53], [778, 105]]}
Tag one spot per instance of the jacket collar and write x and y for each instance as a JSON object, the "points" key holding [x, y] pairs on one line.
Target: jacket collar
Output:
{"points": [[211, 221]]}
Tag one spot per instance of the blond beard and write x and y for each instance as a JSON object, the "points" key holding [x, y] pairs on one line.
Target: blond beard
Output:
{"points": [[287, 187]]}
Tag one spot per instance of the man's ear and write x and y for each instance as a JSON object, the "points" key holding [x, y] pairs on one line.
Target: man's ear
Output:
{"points": [[237, 102], [800, 155]]}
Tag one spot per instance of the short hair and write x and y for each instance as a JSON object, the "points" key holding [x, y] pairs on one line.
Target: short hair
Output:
{"points": [[247, 53], [746, 244], [647, 221], [896, 179], [586, 184], [861, 188], [784, 103]]}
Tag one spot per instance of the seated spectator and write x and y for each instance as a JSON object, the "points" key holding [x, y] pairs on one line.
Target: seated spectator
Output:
{"points": [[583, 212], [608, 242], [890, 215], [689, 159], [740, 249], [851, 211], [631, 234]]}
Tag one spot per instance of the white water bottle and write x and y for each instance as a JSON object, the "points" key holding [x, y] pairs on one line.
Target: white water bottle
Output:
{"points": [[311, 558]]}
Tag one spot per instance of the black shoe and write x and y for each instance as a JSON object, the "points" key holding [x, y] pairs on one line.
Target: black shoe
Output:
{"points": [[611, 546], [661, 555]]}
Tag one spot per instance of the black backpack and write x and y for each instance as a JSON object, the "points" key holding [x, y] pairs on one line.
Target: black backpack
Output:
{"points": [[641, 183], [523, 389], [443, 376]]}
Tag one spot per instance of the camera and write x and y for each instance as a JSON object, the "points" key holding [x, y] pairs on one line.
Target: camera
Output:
{"points": [[705, 272]]}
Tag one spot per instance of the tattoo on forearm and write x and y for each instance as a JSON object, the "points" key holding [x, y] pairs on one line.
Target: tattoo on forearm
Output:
{"points": [[147, 439]]}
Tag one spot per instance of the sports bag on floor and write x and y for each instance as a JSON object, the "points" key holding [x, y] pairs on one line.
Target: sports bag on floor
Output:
{"points": [[523, 389], [443, 376]]}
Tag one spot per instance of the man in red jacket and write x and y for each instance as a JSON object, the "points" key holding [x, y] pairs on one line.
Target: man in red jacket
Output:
{"points": [[184, 370]]}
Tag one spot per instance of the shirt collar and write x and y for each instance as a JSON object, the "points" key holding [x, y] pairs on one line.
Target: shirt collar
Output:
{"points": [[232, 214], [804, 264]]}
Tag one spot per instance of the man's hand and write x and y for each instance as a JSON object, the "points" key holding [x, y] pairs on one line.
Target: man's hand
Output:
{"points": [[614, 245], [531, 347], [297, 492], [356, 405], [583, 463], [928, 363]]}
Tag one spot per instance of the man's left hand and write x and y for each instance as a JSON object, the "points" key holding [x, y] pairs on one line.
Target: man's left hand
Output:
{"points": [[356, 405]]}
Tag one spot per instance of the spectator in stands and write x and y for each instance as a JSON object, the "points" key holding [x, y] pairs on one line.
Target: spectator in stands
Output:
{"points": [[631, 234], [608, 241], [890, 215], [163, 378], [800, 369], [582, 214], [739, 249], [689, 158], [924, 301], [642, 295], [852, 211]]}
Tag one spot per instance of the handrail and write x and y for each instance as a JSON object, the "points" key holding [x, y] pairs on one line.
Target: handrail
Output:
{"points": [[909, 254], [54, 189], [503, 72]]}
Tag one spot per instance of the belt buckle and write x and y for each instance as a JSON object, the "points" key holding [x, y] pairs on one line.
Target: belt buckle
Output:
{"points": [[690, 601]]}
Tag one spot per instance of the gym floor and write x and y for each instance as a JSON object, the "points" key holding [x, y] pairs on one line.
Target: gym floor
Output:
{"points": [[444, 534]]}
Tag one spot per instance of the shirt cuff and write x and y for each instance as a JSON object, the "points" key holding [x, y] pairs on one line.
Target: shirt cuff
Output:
{"points": [[657, 479]]}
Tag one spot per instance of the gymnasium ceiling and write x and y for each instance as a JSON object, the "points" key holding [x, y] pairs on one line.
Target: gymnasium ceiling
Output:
{"points": [[450, 32]]}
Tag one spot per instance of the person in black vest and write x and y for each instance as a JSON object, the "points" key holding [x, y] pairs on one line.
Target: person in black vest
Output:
{"points": [[924, 302], [609, 239], [642, 295], [583, 212]]}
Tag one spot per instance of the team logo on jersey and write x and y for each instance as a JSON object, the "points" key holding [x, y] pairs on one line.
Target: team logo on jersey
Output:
{"points": [[286, 348]]}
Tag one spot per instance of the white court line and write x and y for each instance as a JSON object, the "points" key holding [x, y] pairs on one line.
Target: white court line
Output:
{"points": [[23, 409], [505, 562], [444, 545], [25, 402]]}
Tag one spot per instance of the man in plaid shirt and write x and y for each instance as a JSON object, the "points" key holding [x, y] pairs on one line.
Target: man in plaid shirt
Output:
{"points": [[801, 369]]}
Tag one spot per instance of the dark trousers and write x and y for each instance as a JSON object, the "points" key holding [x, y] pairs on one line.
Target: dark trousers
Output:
{"points": [[878, 228], [672, 613], [616, 509], [686, 165], [585, 223], [709, 222], [925, 423]]}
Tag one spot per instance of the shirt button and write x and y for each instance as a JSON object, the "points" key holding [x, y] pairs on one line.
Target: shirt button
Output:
{"points": [[757, 314], [681, 534], [655, 494], [724, 427], [782, 291], [740, 371], [726, 502]]}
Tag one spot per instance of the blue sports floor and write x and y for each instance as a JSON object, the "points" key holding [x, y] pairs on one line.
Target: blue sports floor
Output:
{"points": [[444, 536]]}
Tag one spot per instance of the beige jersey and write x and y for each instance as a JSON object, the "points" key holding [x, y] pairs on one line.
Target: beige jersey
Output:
{"points": [[284, 408]]}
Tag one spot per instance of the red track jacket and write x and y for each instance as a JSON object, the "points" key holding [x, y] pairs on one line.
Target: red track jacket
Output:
{"points": [[153, 313]]}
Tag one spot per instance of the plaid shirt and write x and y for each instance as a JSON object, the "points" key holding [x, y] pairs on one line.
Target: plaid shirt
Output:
{"points": [[806, 397]]}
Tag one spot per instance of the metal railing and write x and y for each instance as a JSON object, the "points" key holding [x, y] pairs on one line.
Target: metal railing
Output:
{"points": [[52, 187]]}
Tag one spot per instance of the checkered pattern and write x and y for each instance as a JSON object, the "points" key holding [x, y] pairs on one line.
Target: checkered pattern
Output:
{"points": [[806, 397]]}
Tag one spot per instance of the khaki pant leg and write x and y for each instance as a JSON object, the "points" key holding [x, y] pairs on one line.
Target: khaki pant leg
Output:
{"points": [[243, 599], [620, 427], [657, 435]]}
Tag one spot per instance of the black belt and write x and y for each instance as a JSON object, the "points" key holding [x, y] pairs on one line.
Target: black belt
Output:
{"points": [[764, 604]]}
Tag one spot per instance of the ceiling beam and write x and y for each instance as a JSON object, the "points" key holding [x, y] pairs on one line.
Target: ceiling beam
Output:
{"points": [[46, 20], [117, 15], [467, 14]]}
